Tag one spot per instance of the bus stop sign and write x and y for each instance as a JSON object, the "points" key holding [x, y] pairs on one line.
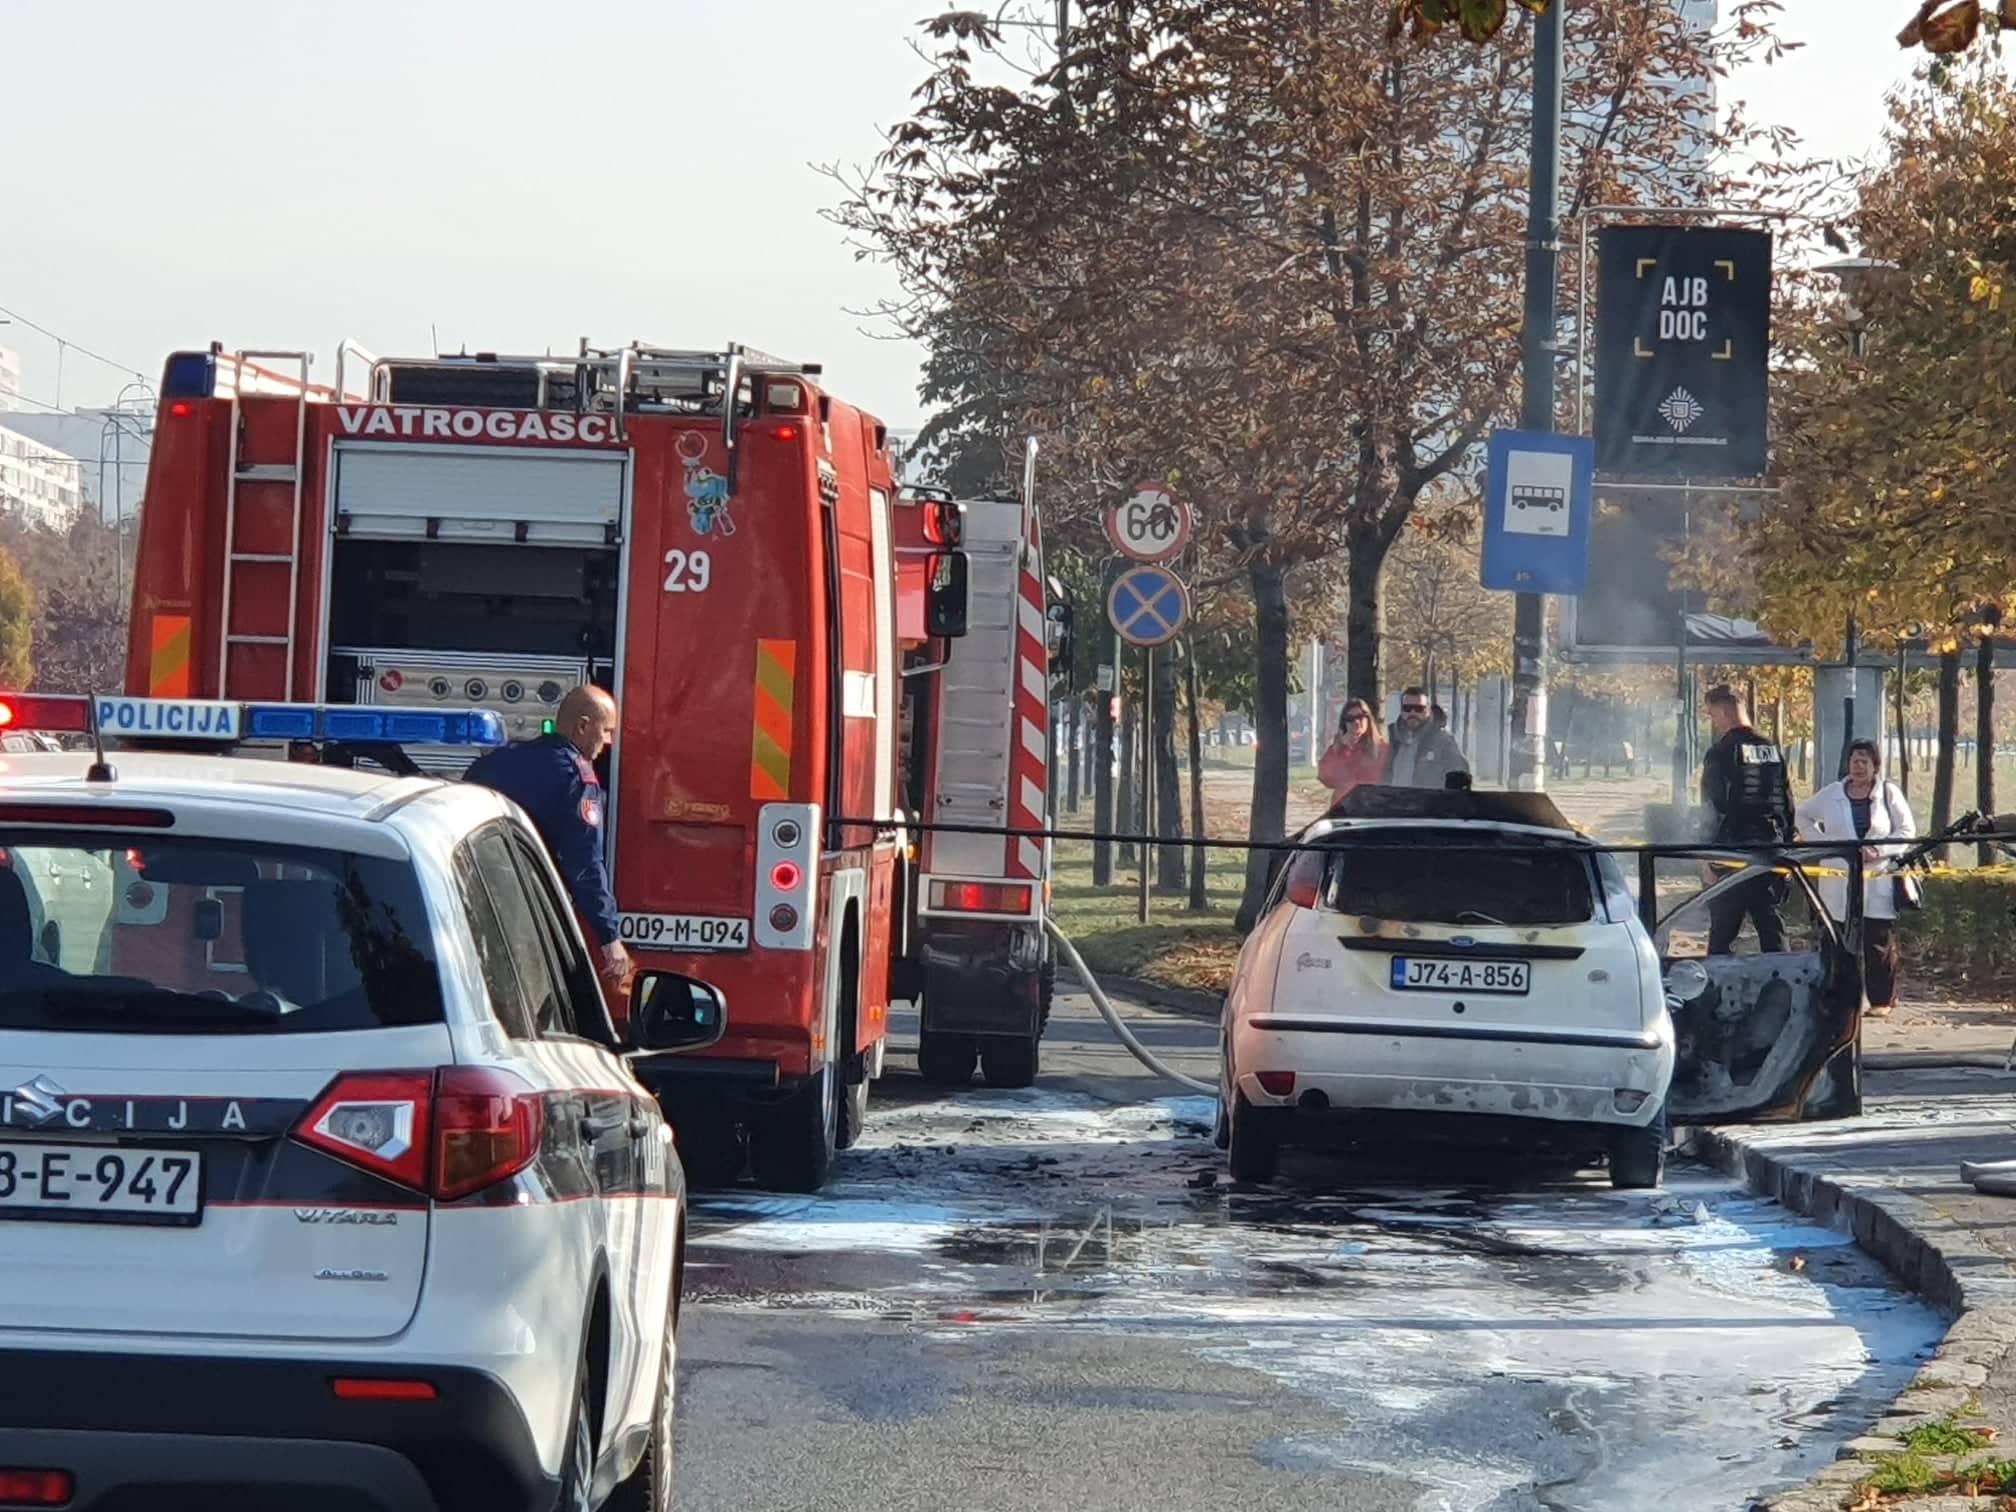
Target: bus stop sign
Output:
{"points": [[1539, 495]]}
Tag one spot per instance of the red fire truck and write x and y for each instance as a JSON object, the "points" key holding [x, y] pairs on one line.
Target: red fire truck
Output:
{"points": [[709, 535]]}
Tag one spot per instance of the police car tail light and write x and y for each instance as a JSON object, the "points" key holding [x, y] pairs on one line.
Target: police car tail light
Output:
{"points": [[487, 1126], [36, 1488], [55, 713], [376, 1120]]}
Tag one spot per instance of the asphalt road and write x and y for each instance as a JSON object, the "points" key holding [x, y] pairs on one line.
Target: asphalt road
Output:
{"points": [[1054, 1299]]}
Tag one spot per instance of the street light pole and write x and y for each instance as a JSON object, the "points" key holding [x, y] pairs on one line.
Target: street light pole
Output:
{"points": [[1536, 358]]}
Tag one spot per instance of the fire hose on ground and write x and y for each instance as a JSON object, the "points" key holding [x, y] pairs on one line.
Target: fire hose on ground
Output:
{"points": [[1125, 1035]]}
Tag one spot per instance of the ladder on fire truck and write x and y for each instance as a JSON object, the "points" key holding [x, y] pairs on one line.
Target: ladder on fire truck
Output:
{"points": [[263, 473], [974, 762]]}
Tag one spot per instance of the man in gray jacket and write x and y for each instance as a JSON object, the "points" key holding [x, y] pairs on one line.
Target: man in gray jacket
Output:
{"points": [[1421, 755]]}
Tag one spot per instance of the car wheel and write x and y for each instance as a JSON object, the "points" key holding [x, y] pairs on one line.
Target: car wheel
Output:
{"points": [[648, 1488], [1638, 1156], [852, 1111], [1254, 1140], [710, 1152], [1010, 1062], [791, 1143], [947, 1059], [577, 1477]]}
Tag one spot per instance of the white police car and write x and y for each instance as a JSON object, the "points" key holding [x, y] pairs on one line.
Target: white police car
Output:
{"points": [[324, 1179]]}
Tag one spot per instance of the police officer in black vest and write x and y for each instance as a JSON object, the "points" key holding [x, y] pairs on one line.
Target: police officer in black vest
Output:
{"points": [[1745, 785]]}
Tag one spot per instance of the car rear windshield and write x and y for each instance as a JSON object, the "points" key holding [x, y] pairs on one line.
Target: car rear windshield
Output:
{"points": [[163, 935], [1459, 877]]}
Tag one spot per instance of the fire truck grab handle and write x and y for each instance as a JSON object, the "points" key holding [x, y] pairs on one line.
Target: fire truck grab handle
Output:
{"points": [[731, 383], [351, 349], [623, 361]]}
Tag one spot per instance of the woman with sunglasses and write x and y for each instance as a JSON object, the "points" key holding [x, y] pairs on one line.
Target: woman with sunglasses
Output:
{"points": [[1356, 755]]}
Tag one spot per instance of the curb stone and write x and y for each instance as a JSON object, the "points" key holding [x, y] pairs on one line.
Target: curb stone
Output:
{"points": [[1946, 1266]]}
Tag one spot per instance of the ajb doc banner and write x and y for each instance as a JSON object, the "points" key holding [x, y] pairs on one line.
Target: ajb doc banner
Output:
{"points": [[1683, 344]]}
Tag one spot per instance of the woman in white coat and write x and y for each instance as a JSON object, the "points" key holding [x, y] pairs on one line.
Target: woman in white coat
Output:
{"points": [[1866, 807]]}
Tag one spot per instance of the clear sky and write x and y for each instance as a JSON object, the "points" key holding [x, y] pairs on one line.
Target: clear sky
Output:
{"points": [[516, 175]]}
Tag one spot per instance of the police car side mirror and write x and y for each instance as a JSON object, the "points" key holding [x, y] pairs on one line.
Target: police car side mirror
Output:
{"points": [[673, 1012]]}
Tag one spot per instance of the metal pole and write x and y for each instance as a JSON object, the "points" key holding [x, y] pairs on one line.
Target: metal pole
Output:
{"points": [[1148, 769], [1536, 409], [1849, 655]]}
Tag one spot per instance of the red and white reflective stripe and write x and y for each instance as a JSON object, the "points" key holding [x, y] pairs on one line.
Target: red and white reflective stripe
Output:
{"points": [[1029, 752]]}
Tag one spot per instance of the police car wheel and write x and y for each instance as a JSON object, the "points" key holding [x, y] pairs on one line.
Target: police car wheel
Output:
{"points": [[791, 1144]]}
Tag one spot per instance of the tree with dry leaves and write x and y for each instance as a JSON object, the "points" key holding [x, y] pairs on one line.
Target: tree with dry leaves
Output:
{"points": [[1265, 251], [1940, 27], [1892, 434]]}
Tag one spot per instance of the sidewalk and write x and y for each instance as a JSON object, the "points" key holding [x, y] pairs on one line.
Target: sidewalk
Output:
{"points": [[1893, 1177]]}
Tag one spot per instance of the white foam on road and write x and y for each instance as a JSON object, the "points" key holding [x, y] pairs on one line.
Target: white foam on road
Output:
{"points": [[1691, 1358]]}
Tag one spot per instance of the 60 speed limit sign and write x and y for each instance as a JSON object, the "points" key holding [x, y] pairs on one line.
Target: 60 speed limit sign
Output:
{"points": [[1150, 525]]}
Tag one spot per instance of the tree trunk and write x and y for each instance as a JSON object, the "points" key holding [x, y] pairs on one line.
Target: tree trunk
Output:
{"points": [[1169, 872], [1949, 742], [1365, 620], [1268, 817], [1199, 896], [1075, 736], [1127, 820], [1984, 740]]}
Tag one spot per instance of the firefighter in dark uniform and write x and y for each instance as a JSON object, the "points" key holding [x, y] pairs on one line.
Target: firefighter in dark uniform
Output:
{"points": [[553, 779], [1745, 785]]}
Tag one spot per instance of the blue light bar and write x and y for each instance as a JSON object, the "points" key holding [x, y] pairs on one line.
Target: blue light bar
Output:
{"points": [[189, 375], [362, 724]]}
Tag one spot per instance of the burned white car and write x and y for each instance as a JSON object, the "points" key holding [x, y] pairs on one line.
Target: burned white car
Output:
{"points": [[1466, 965]]}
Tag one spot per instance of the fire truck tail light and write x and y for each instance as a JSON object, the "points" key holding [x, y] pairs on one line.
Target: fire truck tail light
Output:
{"points": [[786, 876], [59, 713], [787, 431], [981, 897], [181, 409]]}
